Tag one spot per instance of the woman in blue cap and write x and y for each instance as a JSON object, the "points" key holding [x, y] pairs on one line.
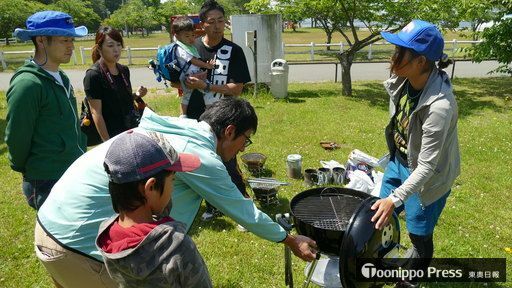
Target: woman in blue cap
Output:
{"points": [[421, 137]]}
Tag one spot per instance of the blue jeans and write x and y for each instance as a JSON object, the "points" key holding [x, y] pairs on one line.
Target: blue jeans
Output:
{"points": [[36, 191], [420, 220]]}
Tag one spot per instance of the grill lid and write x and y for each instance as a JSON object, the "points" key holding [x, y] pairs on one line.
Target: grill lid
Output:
{"points": [[362, 240]]}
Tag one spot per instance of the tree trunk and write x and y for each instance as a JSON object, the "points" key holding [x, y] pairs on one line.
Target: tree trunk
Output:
{"points": [[346, 59], [329, 39]]}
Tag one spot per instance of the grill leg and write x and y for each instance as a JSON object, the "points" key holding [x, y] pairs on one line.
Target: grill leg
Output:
{"points": [[310, 272], [288, 273]]}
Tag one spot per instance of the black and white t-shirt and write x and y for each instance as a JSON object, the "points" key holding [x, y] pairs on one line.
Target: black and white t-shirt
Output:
{"points": [[230, 67]]}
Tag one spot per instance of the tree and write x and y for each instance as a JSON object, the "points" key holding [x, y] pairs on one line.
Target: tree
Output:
{"points": [[14, 13], [374, 16], [326, 13], [479, 12], [291, 10], [497, 43], [135, 15], [113, 5], [99, 7], [231, 7], [175, 7], [81, 11], [260, 7]]}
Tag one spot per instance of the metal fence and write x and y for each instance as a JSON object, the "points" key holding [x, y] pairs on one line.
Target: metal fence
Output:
{"points": [[452, 48], [315, 52]]}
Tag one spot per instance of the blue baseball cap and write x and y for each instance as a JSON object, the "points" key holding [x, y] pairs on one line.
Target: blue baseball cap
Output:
{"points": [[421, 36], [134, 156], [50, 23]]}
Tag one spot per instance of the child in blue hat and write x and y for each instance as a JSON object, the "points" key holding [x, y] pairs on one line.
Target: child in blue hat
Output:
{"points": [[421, 137], [43, 134]]}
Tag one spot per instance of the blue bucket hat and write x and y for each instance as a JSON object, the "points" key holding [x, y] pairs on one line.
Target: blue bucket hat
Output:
{"points": [[50, 23], [421, 36]]}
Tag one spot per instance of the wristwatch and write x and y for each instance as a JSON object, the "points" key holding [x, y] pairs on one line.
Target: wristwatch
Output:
{"points": [[396, 201], [208, 86]]}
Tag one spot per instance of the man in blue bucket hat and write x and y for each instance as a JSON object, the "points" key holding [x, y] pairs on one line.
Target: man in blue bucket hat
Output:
{"points": [[43, 132]]}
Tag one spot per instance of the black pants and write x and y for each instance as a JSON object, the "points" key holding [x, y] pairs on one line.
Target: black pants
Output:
{"points": [[422, 252]]}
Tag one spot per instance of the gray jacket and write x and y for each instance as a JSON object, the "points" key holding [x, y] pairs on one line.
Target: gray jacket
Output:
{"points": [[167, 257], [433, 148]]}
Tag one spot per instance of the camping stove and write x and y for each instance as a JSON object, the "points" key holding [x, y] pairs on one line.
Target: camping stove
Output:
{"points": [[265, 190]]}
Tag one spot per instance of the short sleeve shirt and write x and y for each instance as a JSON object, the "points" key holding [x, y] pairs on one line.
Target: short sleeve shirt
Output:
{"points": [[116, 100], [230, 67]]}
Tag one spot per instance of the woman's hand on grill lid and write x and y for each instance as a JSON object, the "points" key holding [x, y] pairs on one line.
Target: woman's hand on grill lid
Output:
{"points": [[302, 246], [384, 209]]}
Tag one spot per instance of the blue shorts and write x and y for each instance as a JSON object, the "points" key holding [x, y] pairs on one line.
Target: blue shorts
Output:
{"points": [[420, 220]]}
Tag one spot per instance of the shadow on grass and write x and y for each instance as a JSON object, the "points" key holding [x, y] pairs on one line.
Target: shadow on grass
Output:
{"points": [[372, 93], [3, 124], [306, 93], [487, 93], [472, 96], [282, 207], [217, 224]]}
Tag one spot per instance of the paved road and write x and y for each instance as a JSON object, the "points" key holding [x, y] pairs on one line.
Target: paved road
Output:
{"points": [[298, 73]]}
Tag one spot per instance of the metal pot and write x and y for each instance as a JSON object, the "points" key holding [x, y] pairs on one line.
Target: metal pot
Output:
{"points": [[323, 215]]}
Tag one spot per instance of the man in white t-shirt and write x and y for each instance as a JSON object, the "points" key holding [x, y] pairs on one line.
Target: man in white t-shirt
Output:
{"points": [[43, 133]]}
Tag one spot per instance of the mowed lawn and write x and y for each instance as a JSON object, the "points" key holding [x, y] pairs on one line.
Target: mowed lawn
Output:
{"points": [[475, 223]]}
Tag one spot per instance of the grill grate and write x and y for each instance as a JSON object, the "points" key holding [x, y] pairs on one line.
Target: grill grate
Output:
{"points": [[327, 211]]}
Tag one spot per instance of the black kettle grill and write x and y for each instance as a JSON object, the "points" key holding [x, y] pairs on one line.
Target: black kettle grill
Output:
{"points": [[339, 220]]}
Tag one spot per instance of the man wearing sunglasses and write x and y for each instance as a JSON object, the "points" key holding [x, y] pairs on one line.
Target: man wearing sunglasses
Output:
{"points": [[67, 224]]}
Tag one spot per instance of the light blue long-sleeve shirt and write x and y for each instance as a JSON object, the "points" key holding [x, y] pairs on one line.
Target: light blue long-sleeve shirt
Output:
{"points": [[80, 200]]}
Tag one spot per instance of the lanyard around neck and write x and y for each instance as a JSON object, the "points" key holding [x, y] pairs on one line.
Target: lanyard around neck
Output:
{"points": [[108, 75]]}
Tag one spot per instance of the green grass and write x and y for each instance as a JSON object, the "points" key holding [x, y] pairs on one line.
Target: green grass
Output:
{"points": [[475, 223], [302, 36]]}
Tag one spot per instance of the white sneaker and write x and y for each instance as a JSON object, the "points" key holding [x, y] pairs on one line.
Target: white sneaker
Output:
{"points": [[207, 216], [241, 228]]}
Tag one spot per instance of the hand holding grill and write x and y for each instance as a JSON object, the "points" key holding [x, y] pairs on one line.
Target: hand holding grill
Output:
{"points": [[301, 246], [384, 209]]}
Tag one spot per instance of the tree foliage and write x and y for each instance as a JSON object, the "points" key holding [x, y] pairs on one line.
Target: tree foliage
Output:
{"points": [[135, 15], [290, 10], [81, 11], [14, 13], [497, 41], [99, 7], [231, 7], [260, 7], [480, 12], [175, 7]]}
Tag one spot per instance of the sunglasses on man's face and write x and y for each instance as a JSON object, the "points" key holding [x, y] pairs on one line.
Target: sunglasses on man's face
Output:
{"points": [[248, 140]]}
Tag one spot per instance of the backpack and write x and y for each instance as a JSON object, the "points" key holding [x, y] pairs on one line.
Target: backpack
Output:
{"points": [[167, 65]]}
